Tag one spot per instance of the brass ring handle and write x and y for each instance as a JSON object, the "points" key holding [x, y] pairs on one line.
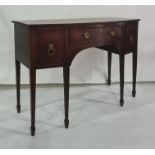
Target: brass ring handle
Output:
{"points": [[113, 33], [51, 50], [131, 39], [86, 35]]}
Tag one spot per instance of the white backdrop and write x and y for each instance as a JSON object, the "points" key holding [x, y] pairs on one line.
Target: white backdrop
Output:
{"points": [[90, 66]]}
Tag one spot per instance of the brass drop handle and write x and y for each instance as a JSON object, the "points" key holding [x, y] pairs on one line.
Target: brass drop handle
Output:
{"points": [[86, 35], [113, 33], [51, 50], [131, 39]]}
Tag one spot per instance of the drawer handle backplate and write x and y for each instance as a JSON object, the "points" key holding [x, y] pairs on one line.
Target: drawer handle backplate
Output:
{"points": [[51, 50], [86, 35], [113, 33]]}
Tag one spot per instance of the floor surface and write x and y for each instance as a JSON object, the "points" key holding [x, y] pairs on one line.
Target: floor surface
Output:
{"points": [[96, 119]]}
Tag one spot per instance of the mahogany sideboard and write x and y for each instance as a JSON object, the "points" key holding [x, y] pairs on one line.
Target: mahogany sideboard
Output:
{"points": [[54, 43]]}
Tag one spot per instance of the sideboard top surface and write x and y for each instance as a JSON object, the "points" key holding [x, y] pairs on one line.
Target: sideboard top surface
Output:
{"points": [[74, 21]]}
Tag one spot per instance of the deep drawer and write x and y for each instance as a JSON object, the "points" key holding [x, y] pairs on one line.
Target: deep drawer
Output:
{"points": [[50, 44]]}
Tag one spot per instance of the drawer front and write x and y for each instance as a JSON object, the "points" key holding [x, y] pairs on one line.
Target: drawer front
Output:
{"points": [[50, 47], [131, 37], [94, 34]]}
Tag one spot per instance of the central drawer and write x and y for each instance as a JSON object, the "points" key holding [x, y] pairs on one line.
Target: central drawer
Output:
{"points": [[84, 34]]}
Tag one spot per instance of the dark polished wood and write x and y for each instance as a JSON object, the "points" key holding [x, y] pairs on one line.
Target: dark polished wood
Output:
{"points": [[75, 21], [121, 66], [55, 43], [109, 68], [32, 98], [66, 73], [18, 85], [134, 67]]}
